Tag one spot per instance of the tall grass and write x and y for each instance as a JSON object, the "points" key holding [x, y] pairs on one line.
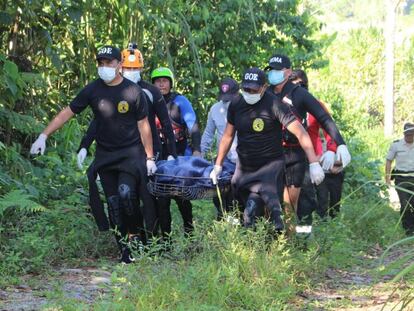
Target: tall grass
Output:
{"points": [[226, 267]]}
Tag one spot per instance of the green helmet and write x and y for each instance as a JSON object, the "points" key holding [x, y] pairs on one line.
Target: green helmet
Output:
{"points": [[162, 72]]}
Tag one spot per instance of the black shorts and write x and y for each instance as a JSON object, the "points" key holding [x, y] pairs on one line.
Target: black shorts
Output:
{"points": [[296, 165]]}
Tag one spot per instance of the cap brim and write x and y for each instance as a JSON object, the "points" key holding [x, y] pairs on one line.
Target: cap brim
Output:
{"points": [[276, 67], [409, 132], [109, 57], [227, 97], [251, 85]]}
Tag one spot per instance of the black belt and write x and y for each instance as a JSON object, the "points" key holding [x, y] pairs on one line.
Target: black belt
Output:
{"points": [[401, 174]]}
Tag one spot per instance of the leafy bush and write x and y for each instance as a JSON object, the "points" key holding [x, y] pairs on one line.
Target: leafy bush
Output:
{"points": [[64, 231]]}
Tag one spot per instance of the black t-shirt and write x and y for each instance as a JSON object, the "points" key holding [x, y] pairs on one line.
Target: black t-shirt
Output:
{"points": [[304, 102], [259, 129], [117, 110]]}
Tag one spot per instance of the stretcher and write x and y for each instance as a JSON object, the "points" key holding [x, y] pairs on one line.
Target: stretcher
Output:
{"points": [[188, 178]]}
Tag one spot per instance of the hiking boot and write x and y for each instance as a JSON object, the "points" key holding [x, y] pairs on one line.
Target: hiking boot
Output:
{"points": [[277, 221], [126, 256]]}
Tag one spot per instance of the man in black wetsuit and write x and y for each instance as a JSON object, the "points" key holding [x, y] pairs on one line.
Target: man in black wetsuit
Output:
{"points": [[132, 65], [258, 118], [184, 123], [301, 102], [124, 145]]}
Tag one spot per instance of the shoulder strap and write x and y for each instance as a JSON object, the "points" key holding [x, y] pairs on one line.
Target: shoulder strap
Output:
{"points": [[149, 95], [171, 97]]}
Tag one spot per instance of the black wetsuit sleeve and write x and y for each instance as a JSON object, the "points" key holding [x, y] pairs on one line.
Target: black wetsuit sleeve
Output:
{"points": [[195, 137], [161, 112], [314, 107], [141, 106], [89, 136]]}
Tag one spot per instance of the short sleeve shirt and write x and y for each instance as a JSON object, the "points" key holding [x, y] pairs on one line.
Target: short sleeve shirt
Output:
{"points": [[117, 110], [259, 129], [403, 154]]}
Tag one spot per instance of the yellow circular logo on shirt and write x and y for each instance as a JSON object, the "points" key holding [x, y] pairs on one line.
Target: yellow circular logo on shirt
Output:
{"points": [[258, 125], [123, 106]]}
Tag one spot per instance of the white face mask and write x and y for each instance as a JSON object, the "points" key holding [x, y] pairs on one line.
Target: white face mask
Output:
{"points": [[251, 99], [133, 75], [107, 74]]}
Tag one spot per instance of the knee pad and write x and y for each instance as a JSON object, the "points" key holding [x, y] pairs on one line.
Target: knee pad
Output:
{"points": [[114, 210], [249, 214], [128, 199], [275, 215], [274, 206]]}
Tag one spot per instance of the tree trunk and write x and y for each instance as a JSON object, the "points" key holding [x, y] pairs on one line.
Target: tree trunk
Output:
{"points": [[389, 32], [389, 27]]}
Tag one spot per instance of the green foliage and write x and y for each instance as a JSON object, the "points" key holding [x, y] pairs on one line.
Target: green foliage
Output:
{"points": [[202, 42], [225, 267], [19, 200], [47, 54], [402, 267], [355, 72], [35, 242], [221, 268], [11, 82]]}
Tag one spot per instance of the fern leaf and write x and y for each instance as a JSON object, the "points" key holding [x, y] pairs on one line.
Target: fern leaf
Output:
{"points": [[20, 200]]}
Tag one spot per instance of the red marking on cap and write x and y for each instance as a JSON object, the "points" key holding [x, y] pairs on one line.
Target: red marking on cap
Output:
{"points": [[225, 88]]}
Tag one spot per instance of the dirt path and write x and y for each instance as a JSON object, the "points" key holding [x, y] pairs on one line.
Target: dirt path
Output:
{"points": [[358, 289], [83, 285], [363, 288]]}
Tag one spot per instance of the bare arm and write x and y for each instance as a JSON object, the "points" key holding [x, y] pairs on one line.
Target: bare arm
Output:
{"points": [[225, 143], [58, 121], [305, 142], [146, 136], [388, 172]]}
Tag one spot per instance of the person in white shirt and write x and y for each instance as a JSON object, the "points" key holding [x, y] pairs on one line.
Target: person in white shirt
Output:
{"points": [[402, 151]]}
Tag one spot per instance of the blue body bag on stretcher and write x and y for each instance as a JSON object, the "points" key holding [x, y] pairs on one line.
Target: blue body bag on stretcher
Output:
{"points": [[188, 178]]}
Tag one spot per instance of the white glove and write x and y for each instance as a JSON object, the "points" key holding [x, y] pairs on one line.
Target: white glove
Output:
{"points": [[343, 155], [316, 173], [39, 145], [151, 167], [81, 157], [170, 158], [327, 160], [215, 173]]}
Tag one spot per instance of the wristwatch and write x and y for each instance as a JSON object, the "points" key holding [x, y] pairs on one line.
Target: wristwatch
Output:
{"points": [[151, 158]]}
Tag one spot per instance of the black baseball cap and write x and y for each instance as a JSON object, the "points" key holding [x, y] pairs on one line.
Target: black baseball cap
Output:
{"points": [[409, 128], [229, 88], [253, 78], [109, 52], [278, 62]]}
